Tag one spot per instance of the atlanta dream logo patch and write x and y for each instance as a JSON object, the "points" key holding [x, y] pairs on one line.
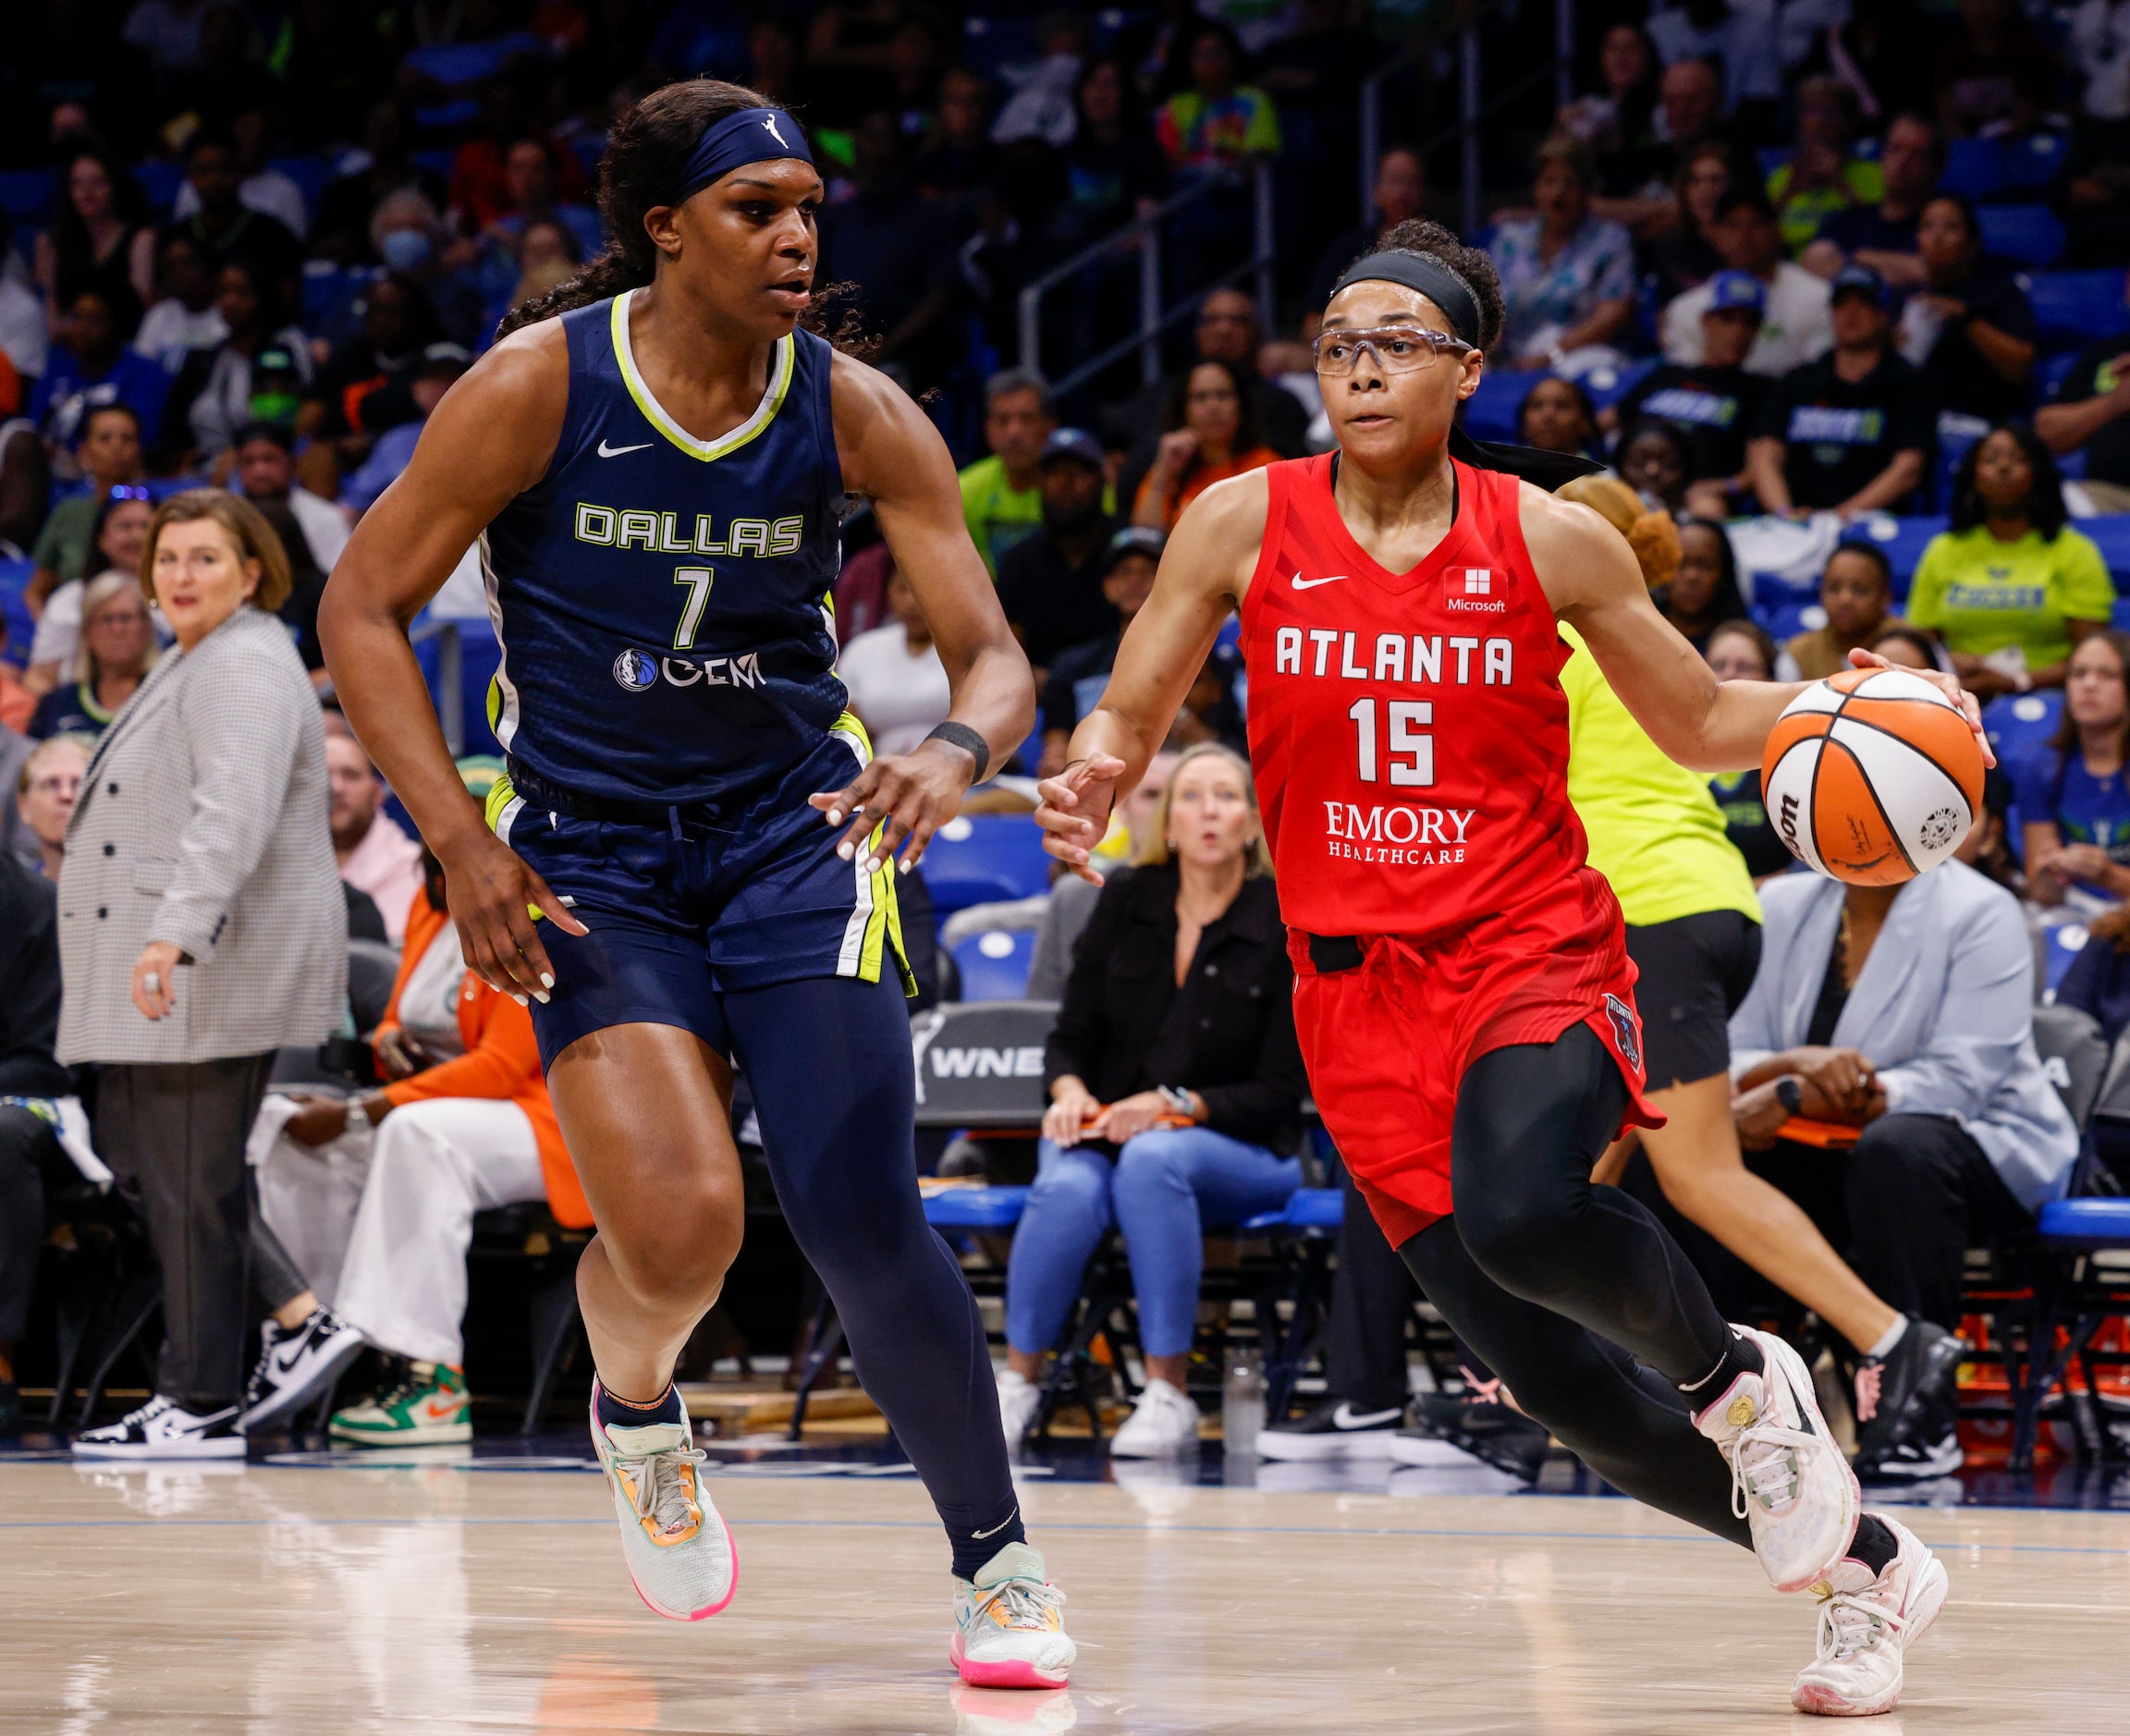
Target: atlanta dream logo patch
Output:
{"points": [[1626, 1028]]}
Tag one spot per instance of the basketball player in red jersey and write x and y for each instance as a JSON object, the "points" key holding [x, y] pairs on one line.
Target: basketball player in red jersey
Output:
{"points": [[1462, 991]]}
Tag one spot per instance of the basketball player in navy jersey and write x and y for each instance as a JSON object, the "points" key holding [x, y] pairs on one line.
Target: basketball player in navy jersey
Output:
{"points": [[691, 863]]}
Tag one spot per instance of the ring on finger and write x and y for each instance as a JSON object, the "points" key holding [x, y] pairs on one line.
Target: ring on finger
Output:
{"points": [[152, 982]]}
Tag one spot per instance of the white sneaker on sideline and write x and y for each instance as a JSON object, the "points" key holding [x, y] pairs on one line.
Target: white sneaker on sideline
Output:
{"points": [[1790, 1481], [680, 1554], [1163, 1422], [1866, 1624], [160, 1429], [1019, 1398], [1008, 1632]]}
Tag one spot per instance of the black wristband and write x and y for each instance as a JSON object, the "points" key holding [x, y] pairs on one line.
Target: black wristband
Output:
{"points": [[1792, 1099], [957, 735]]}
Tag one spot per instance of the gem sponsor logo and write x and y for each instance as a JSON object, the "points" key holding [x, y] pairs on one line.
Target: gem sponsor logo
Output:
{"points": [[639, 671]]}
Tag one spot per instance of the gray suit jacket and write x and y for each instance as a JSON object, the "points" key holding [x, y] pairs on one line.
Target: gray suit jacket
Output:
{"points": [[202, 823], [15, 838], [1944, 1010]]}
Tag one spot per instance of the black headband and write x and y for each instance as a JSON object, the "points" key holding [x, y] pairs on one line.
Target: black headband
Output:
{"points": [[1431, 277]]}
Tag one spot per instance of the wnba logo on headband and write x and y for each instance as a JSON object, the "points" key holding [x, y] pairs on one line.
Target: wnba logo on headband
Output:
{"points": [[753, 135]]}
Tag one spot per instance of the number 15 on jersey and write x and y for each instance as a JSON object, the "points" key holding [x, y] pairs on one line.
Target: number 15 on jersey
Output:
{"points": [[1410, 754]]}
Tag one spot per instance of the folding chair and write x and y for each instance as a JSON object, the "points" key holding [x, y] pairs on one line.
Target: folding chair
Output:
{"points": [[1303, 1234]]}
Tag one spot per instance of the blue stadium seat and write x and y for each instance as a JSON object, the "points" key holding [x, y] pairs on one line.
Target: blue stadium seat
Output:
{"points": [[993, 965], [159, 178], [1903, 540], [992, 1209], [1785, 621], [26, 196], [310, 170], [22, 626], [1956, 433], [2036, 163], [1490, 412], [2120, 616], [2019, 723], [977, 858], [2112, 531], [2073, 308], [2065, 941], [1308, 1210], [2050, 373], [2103, 1223], [1974, 167], [1607, 387], [2027, 235]]}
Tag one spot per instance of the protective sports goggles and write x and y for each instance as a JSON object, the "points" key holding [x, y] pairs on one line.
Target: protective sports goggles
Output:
{"points": [[1397, 348]]}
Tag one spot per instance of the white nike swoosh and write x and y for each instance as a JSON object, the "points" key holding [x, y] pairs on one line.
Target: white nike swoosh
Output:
{"points": [[999, 1526], [606, 451], [1345, 1416], [1301, 583]]}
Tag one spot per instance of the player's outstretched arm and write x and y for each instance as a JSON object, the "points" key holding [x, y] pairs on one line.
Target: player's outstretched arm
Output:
{"points": [[489, 440], [1204, 572], [1594, 585], [892, 454]]}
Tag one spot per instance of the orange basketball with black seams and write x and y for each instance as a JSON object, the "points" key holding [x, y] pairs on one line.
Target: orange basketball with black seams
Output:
{"points": [[1872, 775]]}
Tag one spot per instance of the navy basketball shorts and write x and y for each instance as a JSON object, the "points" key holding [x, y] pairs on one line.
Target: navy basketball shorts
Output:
{"points": [[699, 900]]}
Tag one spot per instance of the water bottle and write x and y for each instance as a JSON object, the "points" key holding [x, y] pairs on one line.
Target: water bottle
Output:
{"points": [[1243, 1403]]}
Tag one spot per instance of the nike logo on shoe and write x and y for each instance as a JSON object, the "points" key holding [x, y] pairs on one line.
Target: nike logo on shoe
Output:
{"points": [[1346, 1417], [606, 451], [1301, 583]]}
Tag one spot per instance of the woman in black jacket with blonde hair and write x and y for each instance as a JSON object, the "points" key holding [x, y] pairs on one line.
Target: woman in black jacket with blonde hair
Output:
{"points": [[1176, 1089]]}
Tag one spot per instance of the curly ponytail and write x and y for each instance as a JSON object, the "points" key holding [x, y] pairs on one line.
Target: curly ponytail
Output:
{"points": [[644, 167]]}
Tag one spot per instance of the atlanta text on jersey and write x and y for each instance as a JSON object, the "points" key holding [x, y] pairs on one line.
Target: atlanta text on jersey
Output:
{"points": [[1455, 661]]}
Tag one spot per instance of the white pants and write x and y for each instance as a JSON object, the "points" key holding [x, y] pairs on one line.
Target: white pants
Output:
{"points": [[382, 1233]]}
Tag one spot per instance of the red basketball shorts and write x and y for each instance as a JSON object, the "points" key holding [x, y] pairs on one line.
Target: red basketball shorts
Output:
{"points": [[1387, 1042]]}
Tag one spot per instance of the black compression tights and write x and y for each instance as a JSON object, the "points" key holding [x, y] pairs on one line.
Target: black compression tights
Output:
{"points": [[1561, 1285], [828, 1062]]}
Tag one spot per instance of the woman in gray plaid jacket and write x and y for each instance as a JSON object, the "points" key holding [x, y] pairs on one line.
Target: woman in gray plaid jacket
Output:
{"points": [[201, 927]]}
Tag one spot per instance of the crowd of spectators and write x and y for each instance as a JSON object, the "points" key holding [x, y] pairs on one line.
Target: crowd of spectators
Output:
{"points": [[1746, 271]]}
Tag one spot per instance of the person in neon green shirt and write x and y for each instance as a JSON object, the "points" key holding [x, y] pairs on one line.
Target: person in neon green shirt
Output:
{"points": [[2011, 587], [1822, 177], [1693, 933], [1002, 494]]}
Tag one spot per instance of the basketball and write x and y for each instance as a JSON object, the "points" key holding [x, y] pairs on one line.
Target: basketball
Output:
{"points": [[1872, 776]]}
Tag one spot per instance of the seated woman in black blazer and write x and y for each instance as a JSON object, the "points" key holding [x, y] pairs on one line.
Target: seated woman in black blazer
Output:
{"points": [[1175, 1090]]}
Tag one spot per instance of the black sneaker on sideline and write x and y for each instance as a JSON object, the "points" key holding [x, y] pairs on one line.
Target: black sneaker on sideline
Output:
{"points": [[1908, 1406], [295, 1367], [1493, 1433], [160, 1429], [1333, 1430]]}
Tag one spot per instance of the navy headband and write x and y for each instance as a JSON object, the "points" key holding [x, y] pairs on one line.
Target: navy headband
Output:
{"points": [[753, 135], [1431, 277]]}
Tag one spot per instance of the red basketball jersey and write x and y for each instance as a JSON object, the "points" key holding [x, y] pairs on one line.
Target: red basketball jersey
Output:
{"points": [[1408, 730]]}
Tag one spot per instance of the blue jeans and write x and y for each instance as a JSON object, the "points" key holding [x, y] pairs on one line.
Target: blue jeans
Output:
{"points": [[1163, 1190]]}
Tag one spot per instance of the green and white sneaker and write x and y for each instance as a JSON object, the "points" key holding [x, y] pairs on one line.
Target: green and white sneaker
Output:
{"points": [[427, 1407]]}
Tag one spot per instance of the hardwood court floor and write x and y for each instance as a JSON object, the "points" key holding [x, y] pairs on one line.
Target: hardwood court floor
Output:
{"points": [[280, 1600]]}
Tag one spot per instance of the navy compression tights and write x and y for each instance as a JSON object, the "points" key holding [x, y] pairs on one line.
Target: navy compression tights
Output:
{"points": [[827, 1060], [1561, 1285]]}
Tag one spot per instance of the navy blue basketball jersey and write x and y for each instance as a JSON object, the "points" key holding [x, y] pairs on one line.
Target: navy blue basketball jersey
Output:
{"points": [[662, 602]]}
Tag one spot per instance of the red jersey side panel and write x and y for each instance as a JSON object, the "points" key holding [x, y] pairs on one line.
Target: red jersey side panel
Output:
{"points": [[1409, 740]]}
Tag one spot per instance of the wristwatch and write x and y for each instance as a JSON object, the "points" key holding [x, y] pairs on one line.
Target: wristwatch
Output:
{"points": [[358, 1116], [1178, 1101], [1790, 1093]]}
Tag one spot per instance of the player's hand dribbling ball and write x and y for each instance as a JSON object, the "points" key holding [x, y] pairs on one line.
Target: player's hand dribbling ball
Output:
{"points": [[1872, 775]]}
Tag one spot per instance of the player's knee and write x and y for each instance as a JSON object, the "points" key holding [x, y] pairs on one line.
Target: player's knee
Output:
{"points": [[1161, 1157], [1522, 1244], [1070, 1187], [675, 1252]]}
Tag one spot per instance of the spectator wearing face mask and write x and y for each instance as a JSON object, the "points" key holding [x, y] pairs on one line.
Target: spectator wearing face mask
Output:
{"points": [[1050, 584], [374, 854], [1795, 324], [1852, 431], [345, 208]]}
